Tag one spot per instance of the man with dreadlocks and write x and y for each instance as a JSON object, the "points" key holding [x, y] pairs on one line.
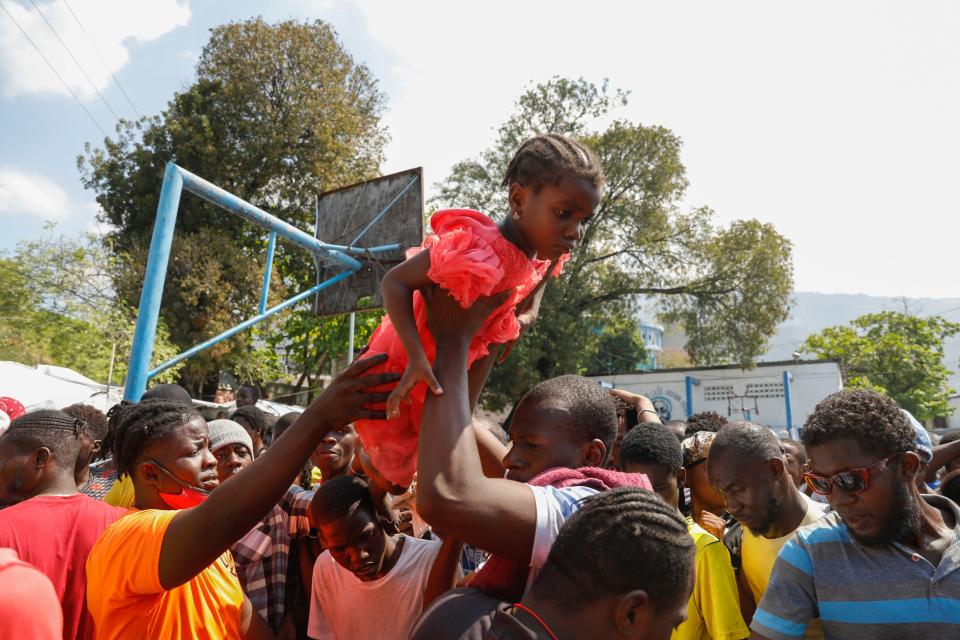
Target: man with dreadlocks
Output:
{"points": [[50, 524], [622, 567], [553, 186], [164, 570]]}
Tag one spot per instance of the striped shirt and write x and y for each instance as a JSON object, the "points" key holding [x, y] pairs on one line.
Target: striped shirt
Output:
{"points": [[881, 593]]}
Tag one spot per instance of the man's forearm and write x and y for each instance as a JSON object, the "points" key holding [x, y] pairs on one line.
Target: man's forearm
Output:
{"points": [[448, 458], [942, 454]]}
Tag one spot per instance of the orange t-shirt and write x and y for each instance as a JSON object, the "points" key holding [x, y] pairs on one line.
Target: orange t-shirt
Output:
{"points": [[125, 597]]}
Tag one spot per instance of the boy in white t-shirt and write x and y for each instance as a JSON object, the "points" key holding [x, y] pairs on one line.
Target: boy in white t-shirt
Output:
{"points": [[365, 576]]}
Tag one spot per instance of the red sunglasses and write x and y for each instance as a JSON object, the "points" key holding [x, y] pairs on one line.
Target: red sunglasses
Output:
{"points": [[850, 481]]}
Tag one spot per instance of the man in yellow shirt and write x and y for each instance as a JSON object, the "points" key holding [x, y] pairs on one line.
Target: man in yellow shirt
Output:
{"points": [[747, 465], [713, 612]]}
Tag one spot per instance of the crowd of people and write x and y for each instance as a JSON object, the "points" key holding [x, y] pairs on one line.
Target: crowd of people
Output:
{"points": [[386, 510]]}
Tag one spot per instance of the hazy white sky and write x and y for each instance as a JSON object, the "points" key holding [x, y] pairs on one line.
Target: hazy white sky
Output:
{"points": [[835, 121]]}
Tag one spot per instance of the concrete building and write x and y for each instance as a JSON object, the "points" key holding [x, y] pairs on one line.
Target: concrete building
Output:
{"points": [[779, 395], [652, 335]]}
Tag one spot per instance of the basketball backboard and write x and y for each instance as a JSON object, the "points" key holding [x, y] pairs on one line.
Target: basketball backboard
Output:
{"points": [[382, 211]]}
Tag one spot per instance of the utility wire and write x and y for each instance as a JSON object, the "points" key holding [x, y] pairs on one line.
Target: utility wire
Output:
{"points": [[54, 69], [99, 55], [74, 58]]}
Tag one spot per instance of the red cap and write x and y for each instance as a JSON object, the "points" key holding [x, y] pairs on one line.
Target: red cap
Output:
{"points": [[11, 407]]}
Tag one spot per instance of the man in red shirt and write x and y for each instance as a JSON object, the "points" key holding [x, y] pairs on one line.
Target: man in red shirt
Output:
{"points": [[28, 604], [50, 524]]}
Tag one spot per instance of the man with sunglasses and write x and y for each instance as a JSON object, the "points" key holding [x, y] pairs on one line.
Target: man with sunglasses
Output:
{"points": [[747, 467], [886, 562]]}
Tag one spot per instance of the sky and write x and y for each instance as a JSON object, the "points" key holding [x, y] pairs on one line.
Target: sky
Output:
{"points": [[835, 122]]}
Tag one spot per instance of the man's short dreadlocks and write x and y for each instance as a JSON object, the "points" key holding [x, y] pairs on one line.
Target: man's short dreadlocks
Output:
{"points": [[873, 420], [547, 158], [704, 421]]}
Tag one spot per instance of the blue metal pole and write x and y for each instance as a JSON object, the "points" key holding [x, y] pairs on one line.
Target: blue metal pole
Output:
{"points": [[141, 351], [271, 245], [362, 251], [243, 326], [786, 400], [214, 194], [688, 382]]}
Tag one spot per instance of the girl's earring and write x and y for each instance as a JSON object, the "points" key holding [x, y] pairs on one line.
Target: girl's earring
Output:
{"points": [[516, 215]]}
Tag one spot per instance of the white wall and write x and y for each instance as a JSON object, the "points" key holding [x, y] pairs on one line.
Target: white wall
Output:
{"points": [[811, 382]]}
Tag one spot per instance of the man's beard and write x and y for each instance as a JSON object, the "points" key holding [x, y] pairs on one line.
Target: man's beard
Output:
{"points": [[905, 524], [774, 505]]}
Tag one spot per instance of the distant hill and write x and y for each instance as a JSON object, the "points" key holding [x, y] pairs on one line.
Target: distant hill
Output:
{"points": [[813, 312]]}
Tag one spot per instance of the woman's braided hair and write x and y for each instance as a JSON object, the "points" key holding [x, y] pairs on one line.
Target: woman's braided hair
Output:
{"points": [[131, 428], [548, 157], [620, 540]]}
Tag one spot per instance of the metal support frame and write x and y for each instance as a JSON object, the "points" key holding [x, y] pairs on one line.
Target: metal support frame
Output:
{"points": [[175, 180], [688, 382], [268, 270], [787, 378]]}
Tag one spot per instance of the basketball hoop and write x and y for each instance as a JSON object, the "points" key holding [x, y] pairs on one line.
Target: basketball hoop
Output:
{"points": [[746, 406]]}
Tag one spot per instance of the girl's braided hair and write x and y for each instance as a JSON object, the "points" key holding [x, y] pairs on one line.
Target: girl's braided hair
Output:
{"points": [[548, 157]]}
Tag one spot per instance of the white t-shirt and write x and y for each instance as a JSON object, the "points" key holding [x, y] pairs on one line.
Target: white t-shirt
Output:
{"points": [[343, 607], [554, 507]]}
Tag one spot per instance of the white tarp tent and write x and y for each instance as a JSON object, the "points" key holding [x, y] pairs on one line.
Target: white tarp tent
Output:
{"points": [[50, 387], [269, 407]]}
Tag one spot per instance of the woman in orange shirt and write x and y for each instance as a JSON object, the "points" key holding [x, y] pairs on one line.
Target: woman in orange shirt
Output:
{"points": [[164, 570]]}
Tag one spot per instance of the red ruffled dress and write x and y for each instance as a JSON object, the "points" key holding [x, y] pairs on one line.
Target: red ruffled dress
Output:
{"points": [[470, 259]]}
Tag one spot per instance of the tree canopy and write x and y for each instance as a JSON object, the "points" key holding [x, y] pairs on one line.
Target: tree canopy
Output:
{"points": [[728, 287], [277, 114], [894, 353], [59, 307]]}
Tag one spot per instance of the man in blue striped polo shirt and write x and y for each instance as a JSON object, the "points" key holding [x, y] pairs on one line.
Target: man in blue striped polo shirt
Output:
{"points": [[886, 563]]}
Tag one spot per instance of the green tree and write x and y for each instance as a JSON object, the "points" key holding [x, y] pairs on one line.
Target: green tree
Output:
{"points": [[277, 114], [728, 287], [894, 353], [315, 345], [59, 307]]}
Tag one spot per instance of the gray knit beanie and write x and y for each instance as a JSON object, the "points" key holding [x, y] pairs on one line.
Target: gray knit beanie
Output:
{"points": [[225, 432]]}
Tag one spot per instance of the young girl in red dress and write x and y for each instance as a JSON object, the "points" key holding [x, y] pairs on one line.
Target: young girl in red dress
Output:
{"points": [[554, 185]]}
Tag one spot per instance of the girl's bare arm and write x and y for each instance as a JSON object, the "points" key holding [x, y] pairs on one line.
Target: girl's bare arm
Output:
{"points": [[397, 288]]}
